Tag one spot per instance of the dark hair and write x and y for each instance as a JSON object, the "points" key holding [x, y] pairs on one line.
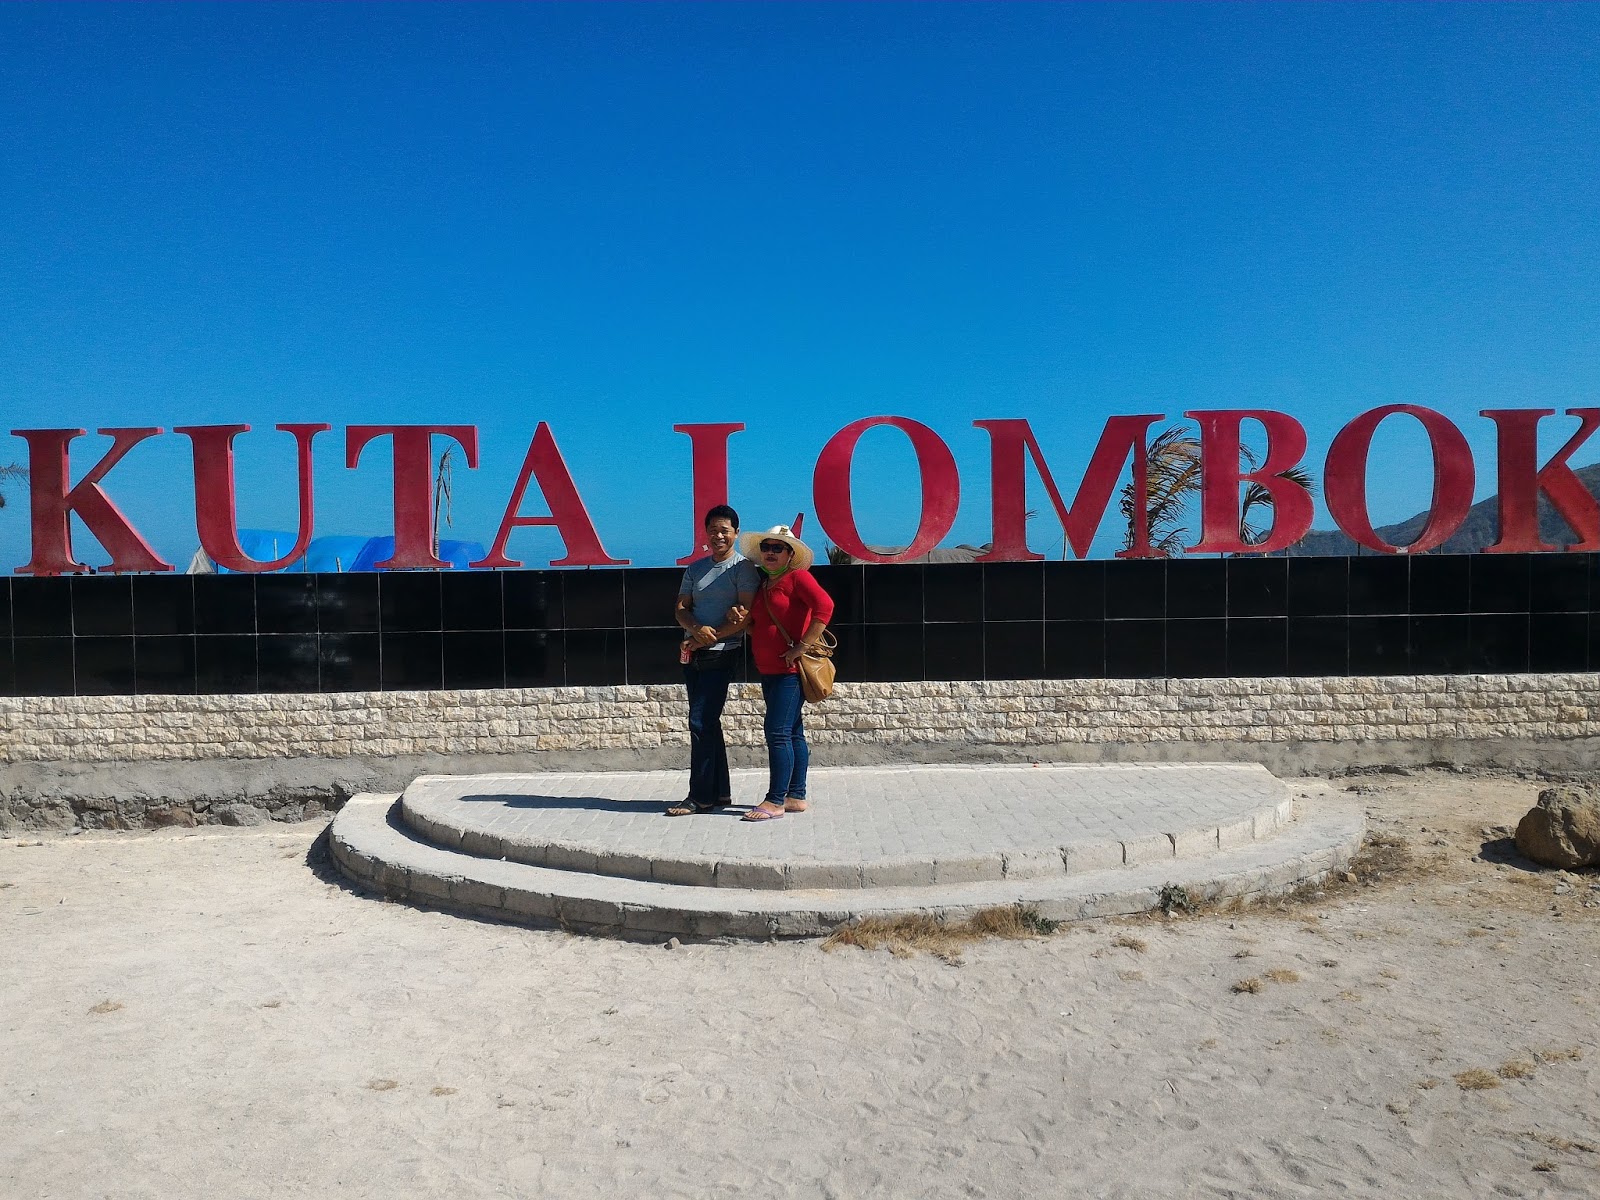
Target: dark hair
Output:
{"points": [[723, 511]]}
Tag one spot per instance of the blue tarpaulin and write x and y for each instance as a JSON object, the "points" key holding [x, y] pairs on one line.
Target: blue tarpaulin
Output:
{"points": [[342, 552]]}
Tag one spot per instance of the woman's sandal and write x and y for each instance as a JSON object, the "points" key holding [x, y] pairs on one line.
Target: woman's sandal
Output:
{"points": [[761, 814]]}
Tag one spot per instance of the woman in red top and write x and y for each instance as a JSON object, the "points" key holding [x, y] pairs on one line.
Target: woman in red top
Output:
{"points": [[790, 612]]}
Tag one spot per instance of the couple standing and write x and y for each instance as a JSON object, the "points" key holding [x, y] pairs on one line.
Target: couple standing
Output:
{"points": [[760, 583]]}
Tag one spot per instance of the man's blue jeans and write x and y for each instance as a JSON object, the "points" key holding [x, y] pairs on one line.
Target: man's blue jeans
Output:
{"points": [[708, 752], [788, 756]]}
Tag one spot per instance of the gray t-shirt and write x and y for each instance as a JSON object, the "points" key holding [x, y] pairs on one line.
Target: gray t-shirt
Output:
{"points": [[716, 587]]}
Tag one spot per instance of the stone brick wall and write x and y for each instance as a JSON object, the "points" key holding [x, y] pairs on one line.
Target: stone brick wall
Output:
{"points": [[915, 717]]}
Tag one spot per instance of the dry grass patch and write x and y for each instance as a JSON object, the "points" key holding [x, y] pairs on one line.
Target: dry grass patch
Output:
{"points": [[1131, 976], [1428, 1085], [918, 933], [1555, 1142], [1128, 942], [1251, 986], [1573, 1053], [1283, 975], [1515, 1068], [442, 1091], [382, 1085], [1477, 1080], [106, 1006]]}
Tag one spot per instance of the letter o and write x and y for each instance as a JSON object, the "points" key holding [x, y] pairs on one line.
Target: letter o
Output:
{"points": [[941, 489], [1344, 479]]}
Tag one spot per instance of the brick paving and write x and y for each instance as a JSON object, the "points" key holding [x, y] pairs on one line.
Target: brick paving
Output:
{"points": [[868, 826]]}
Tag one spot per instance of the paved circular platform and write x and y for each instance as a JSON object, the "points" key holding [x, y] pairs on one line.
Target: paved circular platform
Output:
{"points": [[867, 827]]}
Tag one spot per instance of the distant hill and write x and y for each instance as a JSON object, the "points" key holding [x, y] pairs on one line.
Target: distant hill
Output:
{"points": [[1480, 530]]}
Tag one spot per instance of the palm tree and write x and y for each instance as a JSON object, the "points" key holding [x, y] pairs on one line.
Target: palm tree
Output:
{"points": [[1172, 465], [11, 473], [1172, 473]]}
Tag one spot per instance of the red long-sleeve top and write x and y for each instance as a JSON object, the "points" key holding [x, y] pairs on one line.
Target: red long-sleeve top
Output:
{"points": [[794, 598]]}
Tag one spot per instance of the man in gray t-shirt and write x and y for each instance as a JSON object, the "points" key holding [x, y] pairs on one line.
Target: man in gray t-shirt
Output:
{"points": [[713, 610]]}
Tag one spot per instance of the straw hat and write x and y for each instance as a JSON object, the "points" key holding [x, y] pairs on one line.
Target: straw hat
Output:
{"points": [[750, 546]]}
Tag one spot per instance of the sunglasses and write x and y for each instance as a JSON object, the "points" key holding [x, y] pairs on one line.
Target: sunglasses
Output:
{"points": [[774, 547]]}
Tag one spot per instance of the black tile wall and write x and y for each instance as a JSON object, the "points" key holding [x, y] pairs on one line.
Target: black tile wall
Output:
{"points": [[1206, 617], [1197, 588]]}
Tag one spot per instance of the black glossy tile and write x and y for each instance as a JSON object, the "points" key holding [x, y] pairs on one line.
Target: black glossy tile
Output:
{"points": [[535, 658], [1499, 642], [164, 664], [846, 656], [103, 666], [288, 662], [1558, 582], [474, 658], [8, 673], [653, 656], [471, 600], [532, 599], [1380, 645], [5, 606], [892, 653], [893, 594], [41, 607], [1197, 647], [43, 665], [1441, 645], [1380, 585], [1258, 587], [1135, 649], [649, 596], [1136, 589], [1013, 650], [1257, 645], [1440, 583], [1197, 587], [102, 605], [163, 604], [1498, 583], [349, 662], [286, 603], [408, 602], [847, 587], [1319, 587], [1318, 645], [593, 600], [1074, 649], [1074, 591], [952, 592], [953, 650], [224, 604], [347, 603], [1558, 642], [596, 656], [412, 661], [225, 663], [1013, 591]]}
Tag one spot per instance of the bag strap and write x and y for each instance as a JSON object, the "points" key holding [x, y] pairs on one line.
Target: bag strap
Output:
{"points": [[774, 617]]}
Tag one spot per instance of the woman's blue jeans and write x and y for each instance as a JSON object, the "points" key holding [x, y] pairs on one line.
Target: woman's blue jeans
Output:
{"points": [[708, 752], [788, 756]]}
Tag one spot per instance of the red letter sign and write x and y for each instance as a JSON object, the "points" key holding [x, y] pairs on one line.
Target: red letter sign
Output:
{"points": [[567, 512], [53, 505], [1344, 480], [215, 513], [413, 484], [1220, 480], [1521, 481], [710, 443], [941, 489], [1121, 438]]}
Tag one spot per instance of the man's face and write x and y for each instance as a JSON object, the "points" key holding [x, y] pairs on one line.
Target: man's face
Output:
{"points": [[720, 536]]}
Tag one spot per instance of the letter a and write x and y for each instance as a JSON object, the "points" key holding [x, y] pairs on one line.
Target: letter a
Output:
{"points": [[567, 512]]}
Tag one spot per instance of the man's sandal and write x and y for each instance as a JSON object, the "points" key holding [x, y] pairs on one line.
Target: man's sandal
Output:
{"points": [[688, 808]]}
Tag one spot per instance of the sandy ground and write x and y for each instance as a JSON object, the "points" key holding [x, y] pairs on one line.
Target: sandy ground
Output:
{"points": [[200, 1013]]}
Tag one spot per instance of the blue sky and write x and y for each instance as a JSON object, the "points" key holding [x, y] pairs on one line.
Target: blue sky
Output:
{"points": [[615, 218]]}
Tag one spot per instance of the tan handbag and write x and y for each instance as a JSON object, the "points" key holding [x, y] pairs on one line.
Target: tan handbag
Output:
{"points": [[815, 664]]}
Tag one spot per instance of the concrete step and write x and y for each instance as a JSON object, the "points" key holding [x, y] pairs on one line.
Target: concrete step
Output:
{"points": [[374, 847]]}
